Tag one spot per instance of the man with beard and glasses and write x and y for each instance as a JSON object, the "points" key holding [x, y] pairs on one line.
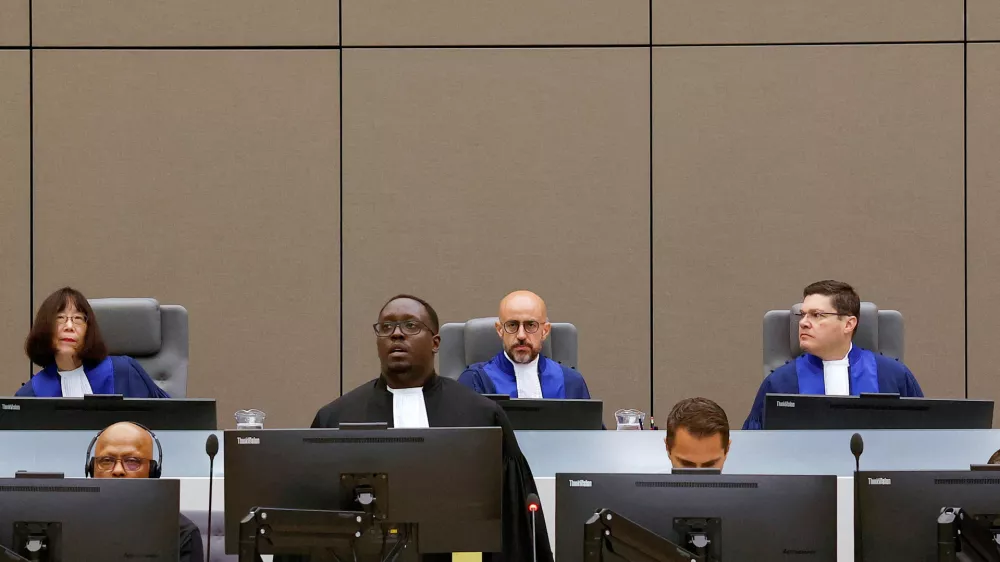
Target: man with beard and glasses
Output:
{"points": [[408, 393], [520, 370]]}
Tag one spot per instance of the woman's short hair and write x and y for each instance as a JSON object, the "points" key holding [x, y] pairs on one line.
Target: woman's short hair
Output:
{"points": [[39, 343]]}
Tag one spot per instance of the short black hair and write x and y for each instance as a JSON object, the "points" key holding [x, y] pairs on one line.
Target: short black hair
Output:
{"points": [[435, 325]]}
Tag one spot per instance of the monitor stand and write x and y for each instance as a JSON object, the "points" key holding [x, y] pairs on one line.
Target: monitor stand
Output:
{"points": [[38, 541]]}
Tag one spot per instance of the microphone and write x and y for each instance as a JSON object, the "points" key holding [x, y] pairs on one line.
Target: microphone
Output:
{"points": [[533, 505], [857, 447], [211, 449]]}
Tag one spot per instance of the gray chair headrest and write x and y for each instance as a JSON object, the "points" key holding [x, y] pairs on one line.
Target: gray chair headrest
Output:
{"points": [[129, 326], [482, 341]]}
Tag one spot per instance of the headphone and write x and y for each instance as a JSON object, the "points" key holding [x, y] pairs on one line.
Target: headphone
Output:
{"points": [[155, 467]]}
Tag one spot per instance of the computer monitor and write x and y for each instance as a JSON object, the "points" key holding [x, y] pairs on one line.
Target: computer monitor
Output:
{"points": [[874, 411], [741, 517], [443, 484], [98, 411], [553, 413], [111, 520], [897, 512]]}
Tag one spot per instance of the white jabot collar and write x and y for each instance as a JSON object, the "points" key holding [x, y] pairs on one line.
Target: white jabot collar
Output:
{"points": [[836, 376], [408, 407], [528, 383]]}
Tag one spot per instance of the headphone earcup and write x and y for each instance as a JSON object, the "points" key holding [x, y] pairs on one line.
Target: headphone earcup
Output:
{"points": [[154, 469], [88, 469]]}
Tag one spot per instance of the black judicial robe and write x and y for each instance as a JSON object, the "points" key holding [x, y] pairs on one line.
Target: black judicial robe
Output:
{"points": [[450, 404]]}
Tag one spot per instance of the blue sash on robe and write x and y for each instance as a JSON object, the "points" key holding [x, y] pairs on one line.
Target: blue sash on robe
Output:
{"points": [[862, 371], [550, 374], [46, 383]]}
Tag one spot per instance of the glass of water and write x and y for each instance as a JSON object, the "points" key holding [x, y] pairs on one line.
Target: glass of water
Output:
{"points": [[250, 419], [629, 419]]}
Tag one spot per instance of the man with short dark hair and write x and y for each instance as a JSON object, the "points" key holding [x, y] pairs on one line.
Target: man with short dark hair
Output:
{"points": [[409, 393], [697, 434], [831, 364], [125, 450], [520, 370]]}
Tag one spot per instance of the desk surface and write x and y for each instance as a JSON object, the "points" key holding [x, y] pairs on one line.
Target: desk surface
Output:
{"points": [[549, 452]]}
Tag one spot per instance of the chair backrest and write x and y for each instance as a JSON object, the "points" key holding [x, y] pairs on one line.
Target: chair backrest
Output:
{"points": [[155, 335], [474, 341], [878, 330]]}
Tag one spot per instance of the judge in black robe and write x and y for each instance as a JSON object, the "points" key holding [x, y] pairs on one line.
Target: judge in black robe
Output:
{"points": [[407, 341]]}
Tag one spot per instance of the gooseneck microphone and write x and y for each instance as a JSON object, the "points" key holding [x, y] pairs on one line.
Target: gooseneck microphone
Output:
{"points": [[857, 447], [211, 449], [533, 505]]}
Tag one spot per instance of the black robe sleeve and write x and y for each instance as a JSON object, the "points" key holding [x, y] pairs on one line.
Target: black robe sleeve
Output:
{"points": [[518, 483], [191, 548]]}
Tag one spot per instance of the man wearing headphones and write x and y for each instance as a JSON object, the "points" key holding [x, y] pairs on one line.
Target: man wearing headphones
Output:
{"points": [[125, 450]]}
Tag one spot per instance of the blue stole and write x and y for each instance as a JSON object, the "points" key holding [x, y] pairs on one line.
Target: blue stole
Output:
{"points": [[46, 383], [862, 372], [550, 375]]}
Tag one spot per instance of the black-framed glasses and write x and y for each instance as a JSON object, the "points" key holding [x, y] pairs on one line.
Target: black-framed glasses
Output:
{"points": [[816, 315], [131, 464], [530, 326], [408, 327]]}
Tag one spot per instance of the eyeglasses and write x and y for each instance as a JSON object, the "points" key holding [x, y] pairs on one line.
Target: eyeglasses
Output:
{"points": [[816, 316], [76, 319], [130, 464], [408, 327], [512, 326]]}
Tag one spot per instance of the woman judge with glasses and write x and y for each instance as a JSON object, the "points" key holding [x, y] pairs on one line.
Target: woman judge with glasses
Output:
{"points": [[67, 342], [520, 370]]}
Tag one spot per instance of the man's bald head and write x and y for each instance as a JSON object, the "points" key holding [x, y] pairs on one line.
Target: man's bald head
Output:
{"points": [[523, 325], [123, 441], [521, 302]]}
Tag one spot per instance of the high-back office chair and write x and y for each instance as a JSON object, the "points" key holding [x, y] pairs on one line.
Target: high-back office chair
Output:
{"points": [[474, 341], [880, 331], [155, 335]]}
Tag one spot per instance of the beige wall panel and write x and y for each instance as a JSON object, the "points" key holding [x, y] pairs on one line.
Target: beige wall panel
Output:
{"points": [[984, 20], [504, 22], [778, 166], [14, 22], [469, 174], [984, 210], [816, 21], [185, 22], [207, 179], [15, 217]]}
